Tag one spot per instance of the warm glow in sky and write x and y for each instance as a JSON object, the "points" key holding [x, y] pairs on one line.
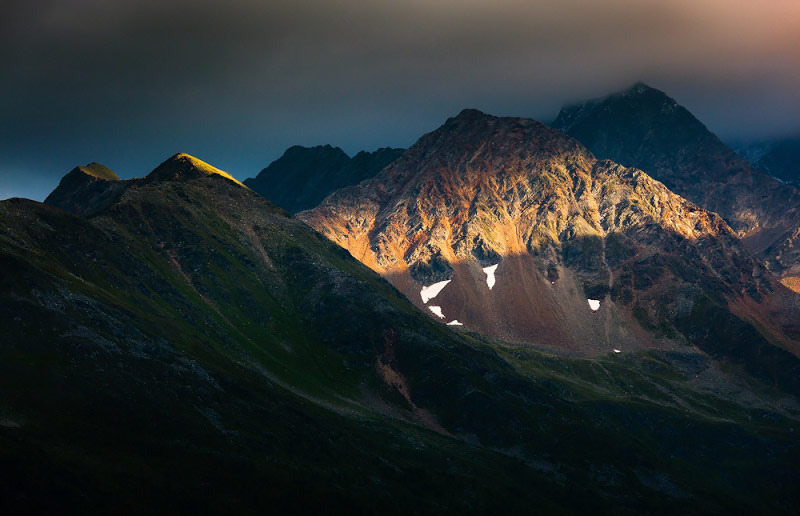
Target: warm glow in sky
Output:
{"points": [[235, 83]]}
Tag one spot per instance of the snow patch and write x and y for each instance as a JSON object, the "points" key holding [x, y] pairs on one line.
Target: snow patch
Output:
{"points": [[594, 304], [454, 322], [432, 291], [490, 274], [437, 310], [617, 351]]}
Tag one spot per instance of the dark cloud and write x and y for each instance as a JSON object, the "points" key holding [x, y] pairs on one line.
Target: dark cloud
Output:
{"points": [[129, 83]]}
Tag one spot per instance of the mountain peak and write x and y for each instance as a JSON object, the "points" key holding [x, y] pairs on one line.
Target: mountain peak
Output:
{"points": [[467, 132], [624, 127], [326, 150], [97, 171], [470, 113], [86, 189], [644, 128], [640, 103], [466, 117], [507, 212], [640, 88], [304, 176], [182, 166], [643, 94]]}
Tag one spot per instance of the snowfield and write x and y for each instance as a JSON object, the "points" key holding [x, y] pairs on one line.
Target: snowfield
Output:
{"points": [[490, 274], [432, 291]]}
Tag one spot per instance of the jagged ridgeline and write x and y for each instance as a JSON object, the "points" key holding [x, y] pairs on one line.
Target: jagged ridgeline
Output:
{"points": [[642, 127], [515, 230], [187, 346], [303, 176]]}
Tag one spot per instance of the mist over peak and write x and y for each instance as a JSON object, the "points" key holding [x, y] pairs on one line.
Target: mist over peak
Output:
{"points": [[126, 84]]}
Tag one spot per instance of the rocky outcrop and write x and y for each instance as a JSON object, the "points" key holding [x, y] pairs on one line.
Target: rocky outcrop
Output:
{"points": [[560, 226], [644, 128]]}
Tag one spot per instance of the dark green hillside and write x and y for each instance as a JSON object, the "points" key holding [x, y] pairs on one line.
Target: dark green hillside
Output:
{"points": [[192, 348]]}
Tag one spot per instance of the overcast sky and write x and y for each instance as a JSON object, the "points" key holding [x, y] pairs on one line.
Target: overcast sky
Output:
{"points": [[129, 83]]}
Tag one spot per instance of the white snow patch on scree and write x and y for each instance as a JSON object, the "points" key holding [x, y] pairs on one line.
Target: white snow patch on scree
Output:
{"points": [[432, 291], [454, 322], [594, 304], [437, 310], [490, 274]]}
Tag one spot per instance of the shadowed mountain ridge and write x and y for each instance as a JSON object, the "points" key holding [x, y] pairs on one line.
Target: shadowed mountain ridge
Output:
{"points": [[303, 176], [643, 127]]}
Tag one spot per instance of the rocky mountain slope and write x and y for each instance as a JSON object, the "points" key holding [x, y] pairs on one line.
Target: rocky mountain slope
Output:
{"points": [[303, 176], [780, 159], [514, 230], [192, 348], [86, 190], [644, 128]]}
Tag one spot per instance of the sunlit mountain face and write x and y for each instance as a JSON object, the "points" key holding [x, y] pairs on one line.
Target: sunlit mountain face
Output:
{"points": [[643, 127], [532, 232], [365, 298]]}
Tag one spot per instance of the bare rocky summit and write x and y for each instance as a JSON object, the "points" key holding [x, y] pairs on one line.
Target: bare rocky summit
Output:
{"points": [[643, 127], [527, 226]]}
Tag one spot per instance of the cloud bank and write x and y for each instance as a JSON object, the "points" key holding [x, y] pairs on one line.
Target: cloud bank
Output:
{"points": [[129, 83]]}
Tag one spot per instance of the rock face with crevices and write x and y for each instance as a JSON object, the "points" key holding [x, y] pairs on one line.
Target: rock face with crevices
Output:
{"points": [[562, 228], [643, 127]]}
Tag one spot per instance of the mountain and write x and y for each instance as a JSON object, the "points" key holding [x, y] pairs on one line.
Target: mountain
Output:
{"points": [[642, 127], [516, 231], [88, 190], [193, 348], [780, 159], [85, 190], [181, 167], [303, 176]]}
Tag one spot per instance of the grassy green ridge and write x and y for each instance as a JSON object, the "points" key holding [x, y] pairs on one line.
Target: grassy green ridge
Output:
{"points": [[193, 348]]}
